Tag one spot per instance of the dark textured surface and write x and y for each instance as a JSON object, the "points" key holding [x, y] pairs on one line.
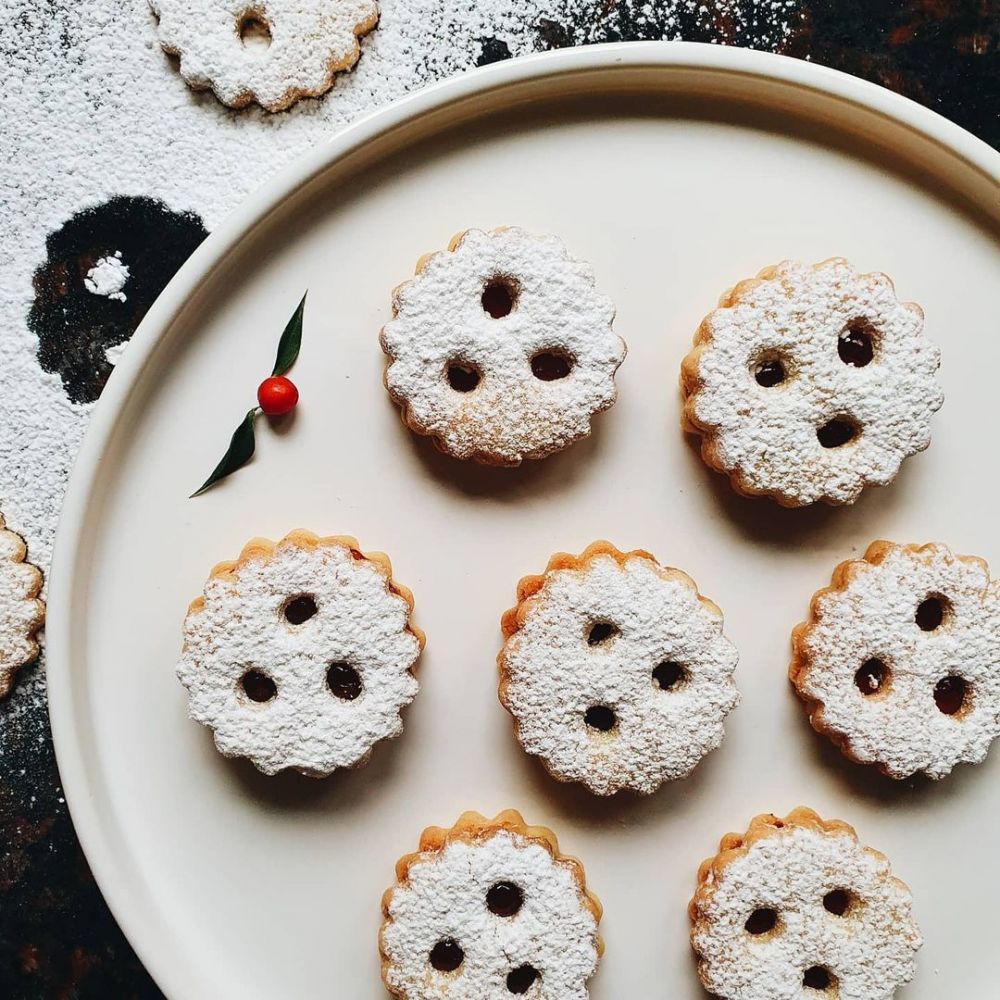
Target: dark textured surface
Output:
{"points": [[57, 938], [75, 328]]}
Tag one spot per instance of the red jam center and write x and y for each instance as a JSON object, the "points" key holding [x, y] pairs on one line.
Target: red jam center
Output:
{"points": [[950, 693], [871, 677], [856, 346], [447, 955], [344, 681], [549, 366]]}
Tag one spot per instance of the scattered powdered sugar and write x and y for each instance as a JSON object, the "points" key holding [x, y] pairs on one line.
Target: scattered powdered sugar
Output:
{"points": [[510, 414], [21, 613], [768, 438], [93, 109], [870, 949], [108, 277], [444, 897], [242, 627], [899, 727], [762, 24], [298, 45], [554, 672]]}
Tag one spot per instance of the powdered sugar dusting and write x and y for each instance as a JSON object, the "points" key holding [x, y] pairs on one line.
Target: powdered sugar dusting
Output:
{"points": [[761, 24], [300, 45], [439, 319], [870, 949], [901, 728], [766, 438], [444, 897], [554, 674], [241, 627]]}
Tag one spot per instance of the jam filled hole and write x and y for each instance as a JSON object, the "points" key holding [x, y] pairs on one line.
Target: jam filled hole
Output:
{"points": [[817, 977], [258, 687], [601, 632], [254, 31], [504, 899], [763, 920], [872, 677], [300, 609], [600, 717], [838, 902], [837, 432], [769, 371], [951, 695], [521, 979], [931, 612], [500, 296], [463, 377], [856, 344], [550, 366], [344, 681], [669, 675], [447, 955]]}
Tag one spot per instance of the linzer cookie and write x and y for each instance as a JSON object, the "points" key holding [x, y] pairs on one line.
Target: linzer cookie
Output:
{"points": [[501, 349], [300, 654], [274, 53], [21, 610], [811, 383], [616, 670], [487, 909], [796, 908], [899, 662]]}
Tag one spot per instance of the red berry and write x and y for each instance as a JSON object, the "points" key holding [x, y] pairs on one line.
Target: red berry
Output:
{"points": [[277, 395]]}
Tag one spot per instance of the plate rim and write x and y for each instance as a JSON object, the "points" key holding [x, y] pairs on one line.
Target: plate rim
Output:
{"points": [[132, 916]]}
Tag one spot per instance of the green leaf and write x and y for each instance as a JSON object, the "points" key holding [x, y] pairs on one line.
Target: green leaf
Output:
{"points": [[291, 340], [241, 448]]}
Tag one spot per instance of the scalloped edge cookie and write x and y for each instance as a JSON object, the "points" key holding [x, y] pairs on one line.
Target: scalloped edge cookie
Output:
{"points": [[840, 580], [405, 409], [691, 384], [26, 631], [529, 586], [472, 826], [293, 92], [259, 547], [763, 826]]}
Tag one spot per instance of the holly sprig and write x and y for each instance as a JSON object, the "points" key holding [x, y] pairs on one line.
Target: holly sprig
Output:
{"points": [[291, 340], [243, 442]]}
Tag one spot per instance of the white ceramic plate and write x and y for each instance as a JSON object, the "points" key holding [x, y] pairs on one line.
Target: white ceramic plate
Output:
{"points": [[676, 170]]}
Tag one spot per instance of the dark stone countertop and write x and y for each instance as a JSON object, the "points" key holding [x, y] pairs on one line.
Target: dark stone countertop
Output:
{"points": [[57, 938]]}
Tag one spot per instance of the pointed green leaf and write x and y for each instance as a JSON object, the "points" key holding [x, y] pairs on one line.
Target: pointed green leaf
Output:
{"points": [[291, 340], [241, 448]]}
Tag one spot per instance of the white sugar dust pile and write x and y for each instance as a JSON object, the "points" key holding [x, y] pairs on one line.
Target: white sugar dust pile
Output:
{"points": [[107, 277]]}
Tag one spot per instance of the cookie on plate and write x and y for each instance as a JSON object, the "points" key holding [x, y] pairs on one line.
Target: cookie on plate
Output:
{"points": [[274, 52], [501, 348], [487, 909], [810, 383], [21, 610], [796, 908], [615, 670], [300, 654], [899, 662]]}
